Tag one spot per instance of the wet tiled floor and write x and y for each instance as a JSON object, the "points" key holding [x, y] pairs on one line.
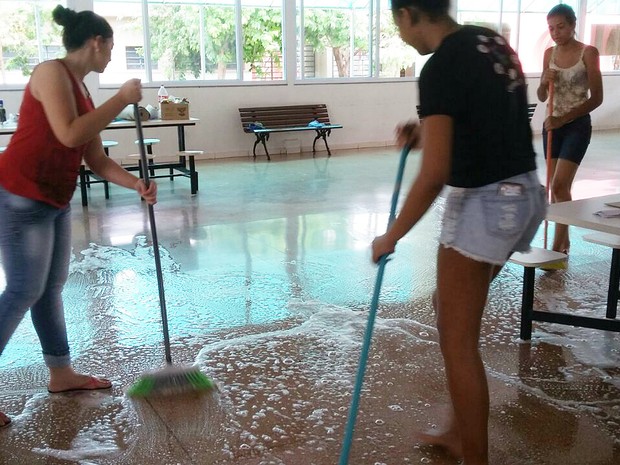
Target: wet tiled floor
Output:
{"points": [[268, 281]]}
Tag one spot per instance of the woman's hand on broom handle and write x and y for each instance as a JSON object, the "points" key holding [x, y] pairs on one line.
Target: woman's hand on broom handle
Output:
{"points": [[382, 245], [409, 134], [149, 194]]}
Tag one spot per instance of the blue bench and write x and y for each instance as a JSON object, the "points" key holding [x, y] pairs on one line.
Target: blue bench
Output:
{"points": [[262, 121]]}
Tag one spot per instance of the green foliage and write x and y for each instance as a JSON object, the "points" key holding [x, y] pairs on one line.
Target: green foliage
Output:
{"points": [[331, 28], [175, 30], [262, 37], [20, 37]]}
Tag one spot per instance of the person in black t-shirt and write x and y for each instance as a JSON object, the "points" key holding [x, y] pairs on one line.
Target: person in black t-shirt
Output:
{"points": [[477, 140]]}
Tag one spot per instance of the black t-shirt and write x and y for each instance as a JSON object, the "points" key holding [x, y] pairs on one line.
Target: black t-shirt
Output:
{"points": [[476, 78]]}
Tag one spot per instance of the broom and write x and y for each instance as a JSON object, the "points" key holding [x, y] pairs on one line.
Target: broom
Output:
{"points": [[561, 265], [348, 437], [170, 380]]}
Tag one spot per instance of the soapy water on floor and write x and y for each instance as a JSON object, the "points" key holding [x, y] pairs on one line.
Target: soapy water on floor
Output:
{"points": [[285, 368]]}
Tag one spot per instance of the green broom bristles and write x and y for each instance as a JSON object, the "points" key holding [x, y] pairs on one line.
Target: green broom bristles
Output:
{"points": [[171, 380]]}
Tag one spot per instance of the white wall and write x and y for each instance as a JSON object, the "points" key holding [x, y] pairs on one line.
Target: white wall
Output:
{"points": [[368, 111]]}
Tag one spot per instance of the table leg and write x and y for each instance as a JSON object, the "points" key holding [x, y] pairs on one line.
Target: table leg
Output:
{"points": [[614, 283]]}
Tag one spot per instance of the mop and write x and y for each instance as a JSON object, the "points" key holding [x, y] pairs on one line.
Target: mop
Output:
{"points": [[170, 380], [346, 446], [562, 264]]}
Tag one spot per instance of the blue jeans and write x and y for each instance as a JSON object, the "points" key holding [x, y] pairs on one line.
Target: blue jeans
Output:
{"points": [[35, 245], [488, 223]]}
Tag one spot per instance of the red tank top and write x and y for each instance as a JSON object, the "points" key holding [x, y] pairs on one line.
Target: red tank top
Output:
{"points": [[35, 164]]}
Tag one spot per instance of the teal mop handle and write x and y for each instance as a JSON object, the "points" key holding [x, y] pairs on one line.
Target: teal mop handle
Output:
{"points": [[348, 437]]}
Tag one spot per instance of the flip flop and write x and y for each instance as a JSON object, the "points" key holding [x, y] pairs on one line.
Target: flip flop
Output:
{"points": [[93, 384]]}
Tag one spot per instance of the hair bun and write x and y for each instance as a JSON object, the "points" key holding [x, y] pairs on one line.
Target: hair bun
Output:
{"points": [[64, 16]]}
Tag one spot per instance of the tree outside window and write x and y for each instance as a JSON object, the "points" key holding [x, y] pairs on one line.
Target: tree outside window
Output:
{"points": [[29, 37]]}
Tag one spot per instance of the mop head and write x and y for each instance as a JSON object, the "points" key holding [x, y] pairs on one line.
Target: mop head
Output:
{"points": [[555, 266], [172, 380], [559, 265]]}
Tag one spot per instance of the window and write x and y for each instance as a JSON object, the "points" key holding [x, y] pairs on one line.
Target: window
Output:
{"points": [[347, 38], [29, 37], [130, 51], [193, 40], [134, 57], [337, 35], [243, 40], [523, 24], [603, 31], [395, 56]]}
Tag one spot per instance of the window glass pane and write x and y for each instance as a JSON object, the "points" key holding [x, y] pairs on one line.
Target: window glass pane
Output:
{"points": [[395, 56], [195, 40], [337, 40], [262, 40], [29, 36], [534, 36], [603, 31], [128, 55], [525, 29], [176, 33]]}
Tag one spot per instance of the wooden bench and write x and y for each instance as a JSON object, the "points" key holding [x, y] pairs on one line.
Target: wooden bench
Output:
{"points": [[262, 121], [535, 258]]}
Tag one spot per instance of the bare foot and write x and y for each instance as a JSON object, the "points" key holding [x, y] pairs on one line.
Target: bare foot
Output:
{"points": [[448, 440], [4, 420], [65, 380]]}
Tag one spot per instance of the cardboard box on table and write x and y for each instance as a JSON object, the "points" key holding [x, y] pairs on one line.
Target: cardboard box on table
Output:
{"points": [[174, 110]]}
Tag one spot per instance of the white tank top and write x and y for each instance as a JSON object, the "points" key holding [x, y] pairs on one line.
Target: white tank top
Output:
{"points": [[571, 87]]}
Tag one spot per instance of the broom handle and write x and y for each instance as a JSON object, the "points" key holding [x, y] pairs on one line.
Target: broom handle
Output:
{"points": [[548, 156], [160, 278], [346, 445]]}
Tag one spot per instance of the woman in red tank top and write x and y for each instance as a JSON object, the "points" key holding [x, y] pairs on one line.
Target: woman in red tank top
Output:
{"points": [[58, 128]]}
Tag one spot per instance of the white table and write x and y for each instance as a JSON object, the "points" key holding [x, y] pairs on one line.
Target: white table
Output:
{"points": [[186, 168], [8, 129], [581, 213]]}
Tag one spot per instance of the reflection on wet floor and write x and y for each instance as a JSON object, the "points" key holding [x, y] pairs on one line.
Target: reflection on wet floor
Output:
{"points": [[268, 280]]}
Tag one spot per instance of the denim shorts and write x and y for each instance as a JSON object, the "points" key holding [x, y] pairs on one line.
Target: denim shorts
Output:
{"points": [[570, 142], [488, 223]]}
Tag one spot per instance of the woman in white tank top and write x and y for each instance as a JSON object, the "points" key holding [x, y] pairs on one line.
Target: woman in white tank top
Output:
{"points": [[574, 69]]}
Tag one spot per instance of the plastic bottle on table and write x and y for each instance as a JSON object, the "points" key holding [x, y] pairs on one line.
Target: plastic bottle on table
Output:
{"points": [[162, 94]]}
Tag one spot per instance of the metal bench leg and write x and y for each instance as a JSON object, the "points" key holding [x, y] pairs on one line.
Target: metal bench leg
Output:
{"points": [[83, 190], [322, 134], [614, 284], [193, 175], [527, 303], [151, 162], [106, 184], [261, 138], [141, 169]]}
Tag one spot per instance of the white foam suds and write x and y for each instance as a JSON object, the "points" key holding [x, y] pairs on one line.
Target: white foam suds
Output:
{"points": [[285, 362]]}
